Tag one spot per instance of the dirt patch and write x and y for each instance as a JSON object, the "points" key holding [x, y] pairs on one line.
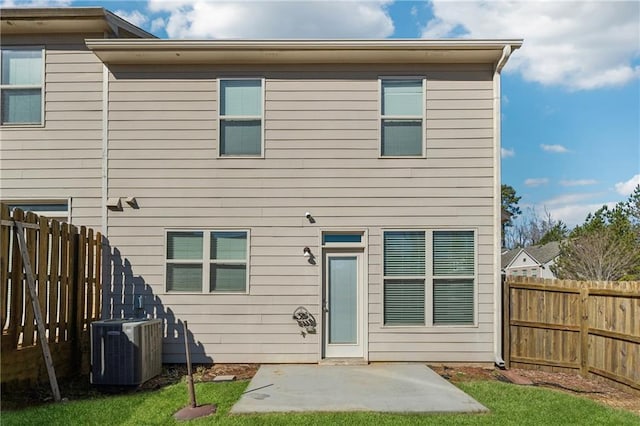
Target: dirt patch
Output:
{"points": [[597, 390]]}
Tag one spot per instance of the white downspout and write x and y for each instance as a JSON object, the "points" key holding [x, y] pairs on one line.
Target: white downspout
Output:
{"points": [[104, 225], [497, 294]]}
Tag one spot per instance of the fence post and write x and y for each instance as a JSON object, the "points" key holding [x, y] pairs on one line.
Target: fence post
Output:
{"points": [[506, 322], [584, 330]]}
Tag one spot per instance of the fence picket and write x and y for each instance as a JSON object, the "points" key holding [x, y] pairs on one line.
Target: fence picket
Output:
{"points": [[29, 316], [54, 283], [42, 271], [14, 328], [4, 265]]}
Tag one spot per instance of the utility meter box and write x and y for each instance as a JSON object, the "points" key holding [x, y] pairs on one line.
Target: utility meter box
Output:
{"points": [[125, 351]]}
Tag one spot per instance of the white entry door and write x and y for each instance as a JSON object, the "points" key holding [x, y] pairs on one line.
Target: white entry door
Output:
{"points": [[343, 305]]}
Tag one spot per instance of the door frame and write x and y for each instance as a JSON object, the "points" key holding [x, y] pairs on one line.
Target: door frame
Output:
{"points": [[360, 250]]}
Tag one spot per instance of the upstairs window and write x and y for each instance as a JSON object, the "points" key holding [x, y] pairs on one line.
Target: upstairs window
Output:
{"points": [[241, 117], [21, 86], [402, 117]]}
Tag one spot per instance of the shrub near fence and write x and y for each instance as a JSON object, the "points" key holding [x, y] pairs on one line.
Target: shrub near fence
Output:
{"points": [[592, 328], [67, 264]]}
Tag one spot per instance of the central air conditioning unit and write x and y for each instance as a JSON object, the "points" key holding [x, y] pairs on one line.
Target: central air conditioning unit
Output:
{"points": [[125, 351]]}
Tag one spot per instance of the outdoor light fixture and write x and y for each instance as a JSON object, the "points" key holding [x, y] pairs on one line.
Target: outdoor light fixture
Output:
{"points": [[309, 217], [306, 252]]}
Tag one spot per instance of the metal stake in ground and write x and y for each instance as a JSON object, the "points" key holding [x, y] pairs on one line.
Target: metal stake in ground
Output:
{"points": [[192, 411]]}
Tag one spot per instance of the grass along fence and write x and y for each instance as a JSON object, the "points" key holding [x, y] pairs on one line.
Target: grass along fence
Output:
{"points": [[66, 262], [592, 328]]}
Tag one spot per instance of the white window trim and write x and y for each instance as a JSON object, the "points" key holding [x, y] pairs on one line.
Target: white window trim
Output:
{"points": [[429, 278], [27, 86], [405, 117], [206, 261], [221, 117]]}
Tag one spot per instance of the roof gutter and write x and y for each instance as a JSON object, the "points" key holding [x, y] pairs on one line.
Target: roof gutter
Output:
{"points": [[182, 52], [497, 235]]}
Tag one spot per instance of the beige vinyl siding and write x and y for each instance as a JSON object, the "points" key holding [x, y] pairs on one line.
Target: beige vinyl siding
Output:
{"points": [[321, 155], [61, 158]]}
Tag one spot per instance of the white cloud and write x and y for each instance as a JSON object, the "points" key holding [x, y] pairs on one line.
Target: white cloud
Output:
{"points": [[157, 25], [570, 198], [626, 188], [575, 214], [135, 17], [575, 44], [554, 148], [578, 182], [275, 19], [35, 3], [533, 182], [506, 152]]}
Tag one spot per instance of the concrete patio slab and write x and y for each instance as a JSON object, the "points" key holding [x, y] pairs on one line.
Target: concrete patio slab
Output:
{"points": [[398, 388]]}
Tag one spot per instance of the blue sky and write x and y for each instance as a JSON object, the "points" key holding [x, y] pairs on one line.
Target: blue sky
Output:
{"points": [[571, 94]]}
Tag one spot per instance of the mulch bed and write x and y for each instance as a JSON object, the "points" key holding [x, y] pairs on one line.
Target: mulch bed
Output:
{"points": [[597, 390]]}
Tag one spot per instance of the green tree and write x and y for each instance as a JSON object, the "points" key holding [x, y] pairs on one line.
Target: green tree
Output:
{"points": [[606, 247], [558, 232], [509, 205]]}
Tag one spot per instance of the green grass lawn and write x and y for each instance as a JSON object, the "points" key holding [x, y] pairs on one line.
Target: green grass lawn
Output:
{"points": [[509, 404]]}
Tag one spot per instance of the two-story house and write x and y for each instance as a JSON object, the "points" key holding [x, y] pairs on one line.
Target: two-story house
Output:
{"points": [[238, 182]]}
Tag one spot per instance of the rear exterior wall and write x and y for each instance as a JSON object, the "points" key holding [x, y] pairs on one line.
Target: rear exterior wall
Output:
{"points": [[321, 154], [62, 158]]}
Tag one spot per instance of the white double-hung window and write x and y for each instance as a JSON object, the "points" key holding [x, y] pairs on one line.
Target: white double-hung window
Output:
{"points": [[402, 117], [429, 277], [21, 85], [240, 117], [207, 261]]}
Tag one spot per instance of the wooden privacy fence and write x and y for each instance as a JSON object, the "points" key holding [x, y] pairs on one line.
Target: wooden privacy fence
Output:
{"points": [[592, 328], [66, 262]]}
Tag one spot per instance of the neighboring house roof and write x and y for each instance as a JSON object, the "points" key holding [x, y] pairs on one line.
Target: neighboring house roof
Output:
{"points": [[119, 51], [505, 216], [68, 20], [508, 256], [540, 253], [544, 253]]}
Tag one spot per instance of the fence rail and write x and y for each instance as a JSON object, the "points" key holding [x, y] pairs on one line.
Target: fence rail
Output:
{"points": [[592, 328], [67, 265]]}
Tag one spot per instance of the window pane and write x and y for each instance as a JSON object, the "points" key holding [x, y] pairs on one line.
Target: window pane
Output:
{"points": [[229, 245], [453, 302], [40, 207], [181, 277], [240, 137], [21, 106], [401, 137], [404, 253], [402, 97], [241, 97], [404, 302], [341, 238], [184, 245], [22, 66], [228, 277], [343, 299], [453, 253]]}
